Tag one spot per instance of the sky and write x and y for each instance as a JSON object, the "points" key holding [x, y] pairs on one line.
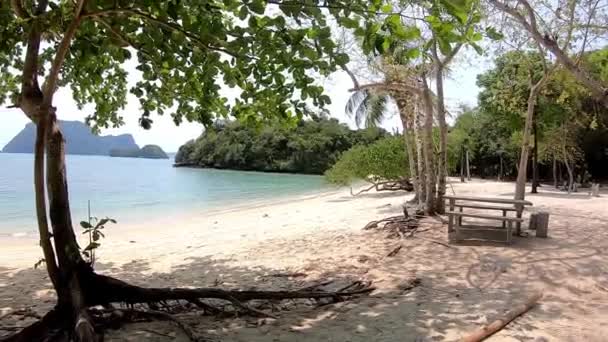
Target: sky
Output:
{"points": [[460, 88]]}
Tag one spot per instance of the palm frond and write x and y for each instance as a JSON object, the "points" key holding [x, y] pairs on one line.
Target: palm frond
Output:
{"points": [[367, 107], [376, 110], [354, 102]]}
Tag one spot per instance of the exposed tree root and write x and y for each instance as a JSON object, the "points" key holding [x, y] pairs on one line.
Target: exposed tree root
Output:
{"points": [[101, 290], [392, 185], [395, 226]]}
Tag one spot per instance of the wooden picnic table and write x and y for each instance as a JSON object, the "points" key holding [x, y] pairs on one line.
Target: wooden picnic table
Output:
{"points": [[457, 231]]}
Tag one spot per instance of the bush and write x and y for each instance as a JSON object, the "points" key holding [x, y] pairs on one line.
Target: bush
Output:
{"points": [[385, 159]]}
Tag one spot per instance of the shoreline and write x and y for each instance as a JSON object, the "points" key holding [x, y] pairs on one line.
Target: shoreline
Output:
{"points": [[19, 246], [227, 207]]}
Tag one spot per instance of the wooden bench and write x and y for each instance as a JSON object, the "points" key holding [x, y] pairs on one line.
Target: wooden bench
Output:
{"points": [[457, 231]]}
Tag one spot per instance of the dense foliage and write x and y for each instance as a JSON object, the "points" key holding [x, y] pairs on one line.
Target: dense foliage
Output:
{"points": [[310, 147], [384, 159], [148, 151], [571, 126]]}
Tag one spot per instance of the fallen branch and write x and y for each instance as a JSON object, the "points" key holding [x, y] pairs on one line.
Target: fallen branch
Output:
{"points": [[396, 226], [390, 185], [394, 251], [287, 275], [488, 330]]}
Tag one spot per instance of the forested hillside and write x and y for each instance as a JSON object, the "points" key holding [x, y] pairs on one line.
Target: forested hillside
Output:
{"points": [[311, 147]]}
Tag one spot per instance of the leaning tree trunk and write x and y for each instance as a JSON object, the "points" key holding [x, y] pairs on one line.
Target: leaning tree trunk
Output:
{"points": [[520, 185], [443, 136], [419, 142], [430, 203]]}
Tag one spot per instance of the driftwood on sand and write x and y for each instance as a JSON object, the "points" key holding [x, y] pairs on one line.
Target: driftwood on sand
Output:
{"points": [[386, 185], [488, 330]]}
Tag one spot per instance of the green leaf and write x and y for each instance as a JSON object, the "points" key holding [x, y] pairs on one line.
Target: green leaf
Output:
{"points": [[257, 6], [477, 48], [387, 8], [91, 246], [243, 12], [494, 34], [457, 8], [85, 224]]}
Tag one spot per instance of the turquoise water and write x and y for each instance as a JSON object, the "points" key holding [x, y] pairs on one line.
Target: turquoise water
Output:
{"points": [[130, 189]]}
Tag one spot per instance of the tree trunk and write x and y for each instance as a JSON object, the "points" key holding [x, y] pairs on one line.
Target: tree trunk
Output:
{"points": [[418, 136], [408, 148], [535, 160], [500, 169], [520, 185], [555, 173], [462, 164], [443, 136], [41, 214], [430, 204], [570, 173], [466, 153], [595, 86], [72, 268]]}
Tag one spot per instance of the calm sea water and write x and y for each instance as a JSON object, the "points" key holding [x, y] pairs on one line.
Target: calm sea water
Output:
{"points": [[129, 189]]}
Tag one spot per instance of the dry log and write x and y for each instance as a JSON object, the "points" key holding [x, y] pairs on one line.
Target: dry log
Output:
{"points": [[394, 251], [488, 330], [394, 185]]}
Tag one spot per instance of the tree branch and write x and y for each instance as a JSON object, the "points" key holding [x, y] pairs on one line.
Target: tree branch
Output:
{"points": [[596, 87], [121, 37], [170, 26], [19, 10], [352, 76], [31, 95], [394, 86], [51, 81]]}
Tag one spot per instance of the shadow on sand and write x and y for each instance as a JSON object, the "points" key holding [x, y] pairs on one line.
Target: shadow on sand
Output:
{"points": [[461, 288]]}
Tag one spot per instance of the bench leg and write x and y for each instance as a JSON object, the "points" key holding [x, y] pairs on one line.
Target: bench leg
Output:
{"points": [[509, 232], [520, 210], [504, 214], [460, 218]]}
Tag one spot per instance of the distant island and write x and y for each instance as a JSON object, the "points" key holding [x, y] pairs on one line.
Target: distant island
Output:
{"points": [[80, 140], [311, 147], [148, 151]]}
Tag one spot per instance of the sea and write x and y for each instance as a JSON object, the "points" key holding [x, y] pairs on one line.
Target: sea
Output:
{"points": [[139, 190]]}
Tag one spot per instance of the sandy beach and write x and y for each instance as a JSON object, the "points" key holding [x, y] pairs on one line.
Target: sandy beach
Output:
{"points": [[461, 286]]}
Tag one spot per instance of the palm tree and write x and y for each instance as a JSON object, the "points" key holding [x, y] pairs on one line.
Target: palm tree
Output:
{"points": [[370, 106]]}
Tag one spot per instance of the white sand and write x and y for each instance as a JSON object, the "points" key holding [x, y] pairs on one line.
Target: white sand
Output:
{"points": [[462, 287]]}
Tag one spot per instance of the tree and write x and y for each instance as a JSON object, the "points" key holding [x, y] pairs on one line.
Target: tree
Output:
{"points": [[181, 47], [555, 24], [371, 105], [426, 37]]}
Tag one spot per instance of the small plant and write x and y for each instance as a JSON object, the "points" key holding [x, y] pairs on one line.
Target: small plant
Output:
{"points": [[93, 227]]}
